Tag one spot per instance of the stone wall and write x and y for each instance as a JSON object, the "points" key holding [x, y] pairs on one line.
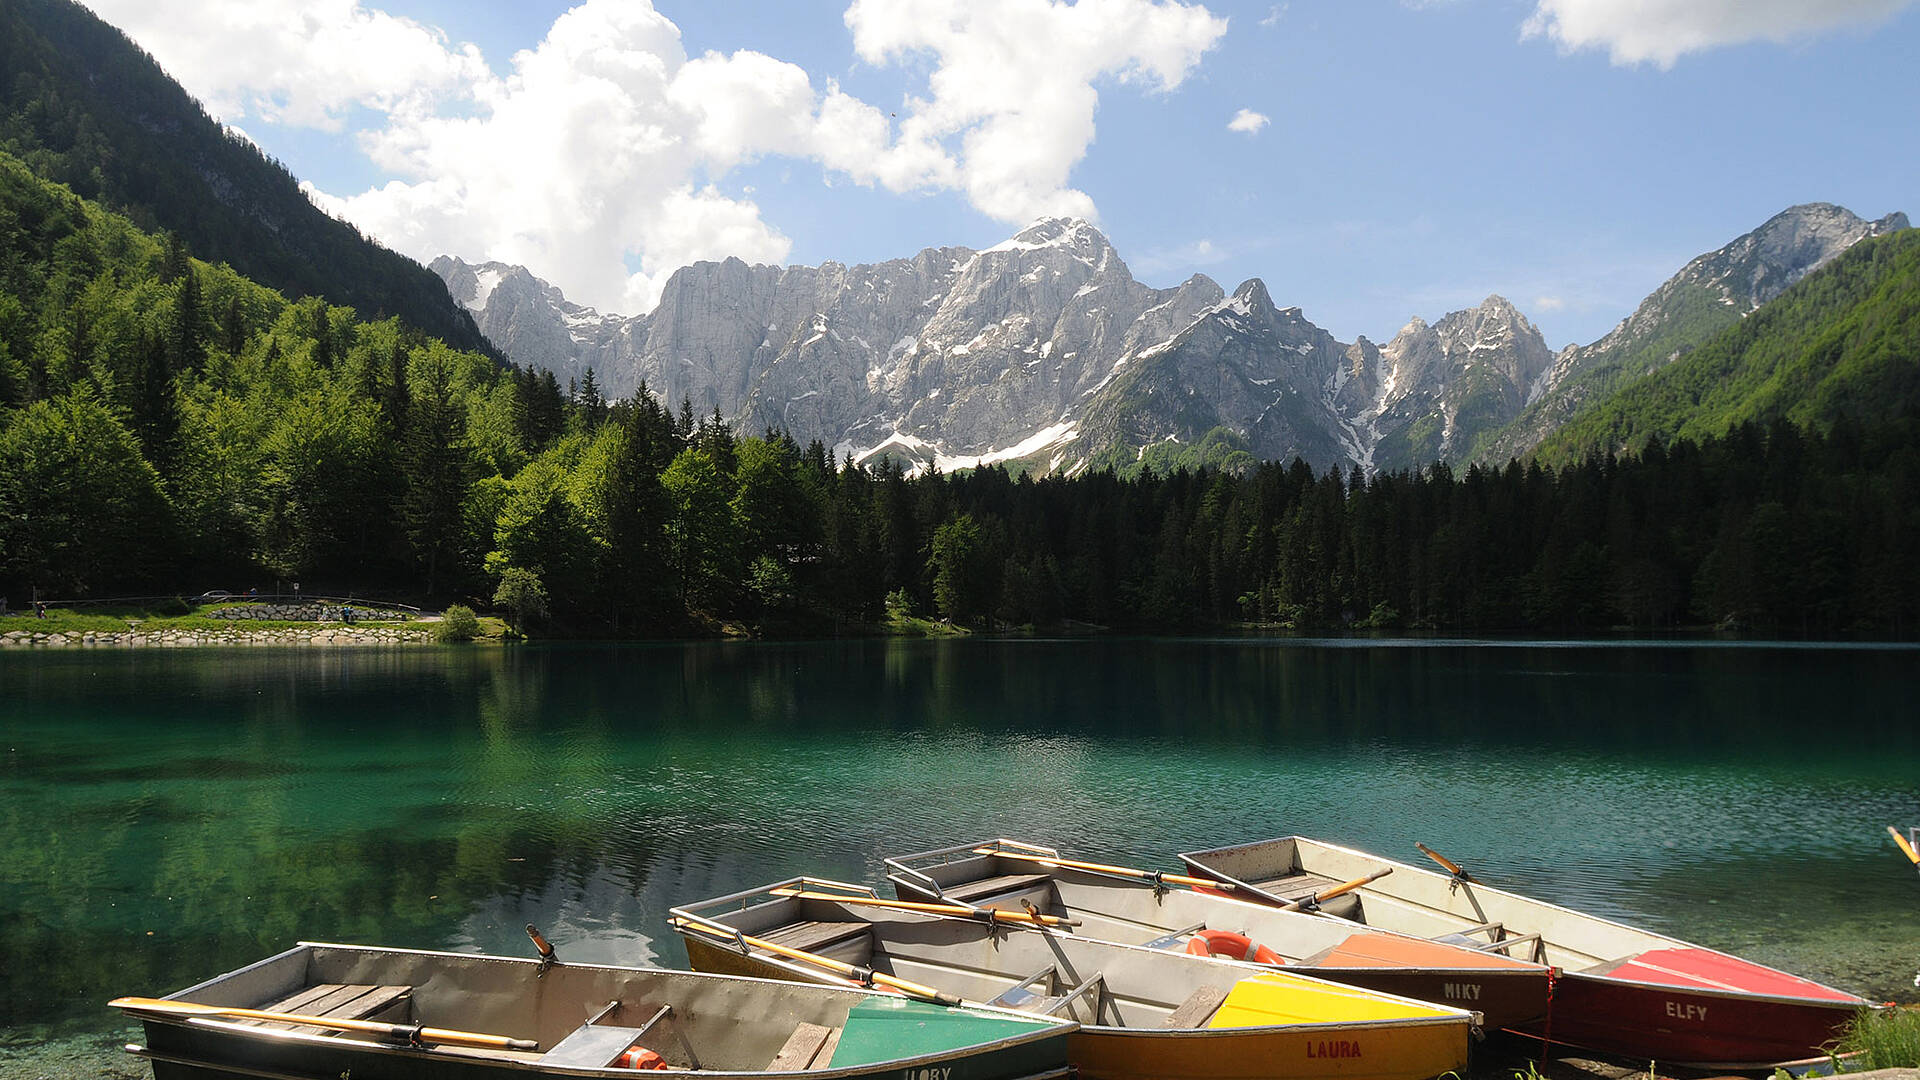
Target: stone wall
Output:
{"points": [[306, 613]]}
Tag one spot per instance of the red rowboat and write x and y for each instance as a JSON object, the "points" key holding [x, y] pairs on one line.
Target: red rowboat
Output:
{"points": [[1620, 990]]}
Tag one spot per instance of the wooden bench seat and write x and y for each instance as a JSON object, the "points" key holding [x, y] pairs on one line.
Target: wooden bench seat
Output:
{"points": [[1295, 886], [983, 888], [809, 1047], [814, 936], [345, 1001], [1198, 1008]]}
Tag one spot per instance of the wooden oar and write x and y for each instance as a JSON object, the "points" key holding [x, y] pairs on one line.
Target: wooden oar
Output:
{"points": [[1453, 868], [1118, 871], [864, 976], [1906, 848], [404, 1032], [930, 909], [1338, 890]]}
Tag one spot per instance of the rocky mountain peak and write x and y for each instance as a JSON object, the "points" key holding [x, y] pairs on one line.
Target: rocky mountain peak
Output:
{"points": [[1764, 263], [528, 318], [1072, 234], [1251, 298]]}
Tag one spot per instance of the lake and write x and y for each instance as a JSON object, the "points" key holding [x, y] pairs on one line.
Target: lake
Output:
{"points": [[170, 814]]}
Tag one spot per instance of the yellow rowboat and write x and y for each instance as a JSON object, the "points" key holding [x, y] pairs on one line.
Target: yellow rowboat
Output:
{"points": [[1145, 1014]]}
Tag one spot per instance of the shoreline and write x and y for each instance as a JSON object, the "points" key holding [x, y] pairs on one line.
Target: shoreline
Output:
{"points": [[196, 638]]}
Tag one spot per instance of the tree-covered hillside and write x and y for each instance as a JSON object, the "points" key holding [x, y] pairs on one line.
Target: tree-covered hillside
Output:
{"points": [[84, 106], [173, 418], [1689, 315], [1842, 344]]}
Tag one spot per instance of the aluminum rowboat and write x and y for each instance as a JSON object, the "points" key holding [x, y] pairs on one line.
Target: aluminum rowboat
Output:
{"points": [[579, 1018]]}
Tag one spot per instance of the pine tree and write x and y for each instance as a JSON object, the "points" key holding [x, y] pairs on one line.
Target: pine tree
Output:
{"points": [[156, 408], [397, 396], [189, 332], [435, 464], [638, 571], [592, 404]]}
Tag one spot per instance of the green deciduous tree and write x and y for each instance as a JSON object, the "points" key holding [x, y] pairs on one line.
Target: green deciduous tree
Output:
{"points": [[524, 596], [80, 508], [703, 534], [962, 573]]}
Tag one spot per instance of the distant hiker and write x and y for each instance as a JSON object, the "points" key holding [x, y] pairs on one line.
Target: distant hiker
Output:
{"points": [[346, 613], [39, 609]]}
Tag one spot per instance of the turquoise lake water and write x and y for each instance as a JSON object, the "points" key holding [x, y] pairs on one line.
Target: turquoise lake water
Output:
{"points": [[170, 814]]}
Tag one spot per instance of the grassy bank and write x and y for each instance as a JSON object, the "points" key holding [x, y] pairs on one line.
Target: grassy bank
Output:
{"points": [[1887, 1039], [118, 619]]}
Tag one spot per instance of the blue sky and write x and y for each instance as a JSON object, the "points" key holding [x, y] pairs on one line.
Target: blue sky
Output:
{"points": [[1416, 155]]}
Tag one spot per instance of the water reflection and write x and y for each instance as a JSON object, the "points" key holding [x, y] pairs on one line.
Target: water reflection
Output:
{"points": [[170, 815]]}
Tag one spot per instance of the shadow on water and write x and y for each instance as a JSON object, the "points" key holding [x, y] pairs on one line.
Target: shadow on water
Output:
{"points": [[170, 815]]}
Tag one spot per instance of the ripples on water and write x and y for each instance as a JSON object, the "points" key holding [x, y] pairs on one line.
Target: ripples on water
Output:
{"points": [[172, 815]]}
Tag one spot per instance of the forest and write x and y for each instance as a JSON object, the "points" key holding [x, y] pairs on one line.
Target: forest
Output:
{"points": [[171, 426]]}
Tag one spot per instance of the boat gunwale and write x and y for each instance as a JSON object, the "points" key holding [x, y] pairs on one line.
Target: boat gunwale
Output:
{"points": [[480, 1060], [1045, 1027], [1191, 859]]}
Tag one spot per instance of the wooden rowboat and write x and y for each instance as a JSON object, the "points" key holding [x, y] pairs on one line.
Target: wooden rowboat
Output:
{"points": [[364, 1011], [1145, 1014], [1141, 908], [1621, 990]]}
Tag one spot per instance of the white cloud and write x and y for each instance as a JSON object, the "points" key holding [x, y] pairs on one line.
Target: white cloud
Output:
{"points": [[595, 158], [1013, 81], [1274, 14], [1549, 303], [299, 62], [1248, 122], [1661, 31]]}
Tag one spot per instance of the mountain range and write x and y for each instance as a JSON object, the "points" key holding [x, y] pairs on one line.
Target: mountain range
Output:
{"points": [[1044, 350]]}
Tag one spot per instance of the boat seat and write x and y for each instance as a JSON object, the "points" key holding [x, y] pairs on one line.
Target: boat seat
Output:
{"points": [[814, 936], [1295, 886], [983, 888], [1198, 1008], [1300, 886], [593, 1046], [345, 1001], [809, 1047]]}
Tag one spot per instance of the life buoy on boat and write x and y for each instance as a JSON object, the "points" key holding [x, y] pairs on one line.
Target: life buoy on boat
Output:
{"points": [[640, 1057], [1231, 945]]}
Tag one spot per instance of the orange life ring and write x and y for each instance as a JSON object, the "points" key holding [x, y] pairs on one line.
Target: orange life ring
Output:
{"points": [[1231, 945], [640, 1057]]}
